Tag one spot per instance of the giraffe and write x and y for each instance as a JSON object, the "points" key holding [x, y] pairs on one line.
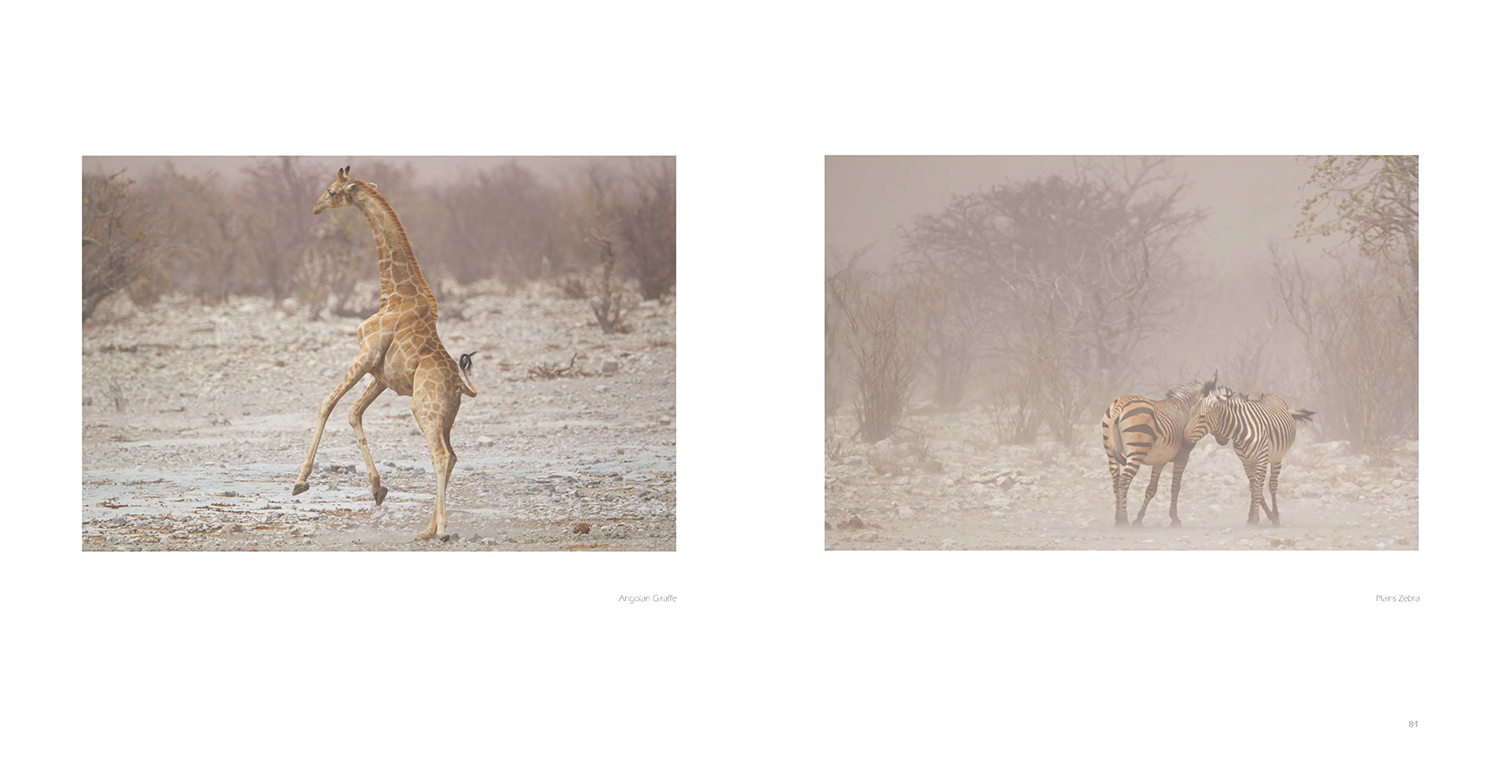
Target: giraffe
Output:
{"points": [[398, 348]]}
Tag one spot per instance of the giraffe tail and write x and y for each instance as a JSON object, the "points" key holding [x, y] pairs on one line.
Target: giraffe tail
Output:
{"points": [[465, 362]]}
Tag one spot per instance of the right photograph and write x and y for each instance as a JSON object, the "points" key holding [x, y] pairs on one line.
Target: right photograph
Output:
{"points": [[1101, 353]]}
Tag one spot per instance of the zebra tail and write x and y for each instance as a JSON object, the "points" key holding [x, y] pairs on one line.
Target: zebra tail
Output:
{"points": [[1303, 416]]}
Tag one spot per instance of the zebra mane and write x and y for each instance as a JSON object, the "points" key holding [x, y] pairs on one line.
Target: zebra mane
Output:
{"points": [[1190, 391]]}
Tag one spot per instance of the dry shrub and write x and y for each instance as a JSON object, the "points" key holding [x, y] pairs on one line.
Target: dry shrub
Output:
{"points": [[1361, 345], [121, 242], [253, 232], [1061, 280], [573, 287], [882, 343]]}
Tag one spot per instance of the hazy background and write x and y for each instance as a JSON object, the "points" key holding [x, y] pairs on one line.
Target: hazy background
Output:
{"points": [[867, 200], [426, 168], [1251, 280], [212, 227]]}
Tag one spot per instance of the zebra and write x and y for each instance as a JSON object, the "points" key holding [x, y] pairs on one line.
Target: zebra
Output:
{"points": [[1138, 430], [1262, 428]]}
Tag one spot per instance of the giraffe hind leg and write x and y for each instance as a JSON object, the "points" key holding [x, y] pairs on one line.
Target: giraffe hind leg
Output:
{"points": [[435, 408]]}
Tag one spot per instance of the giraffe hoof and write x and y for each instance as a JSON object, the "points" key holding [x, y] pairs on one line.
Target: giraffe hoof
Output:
{"points": [[301, 486], [445, 538], [426, 534], [380, 496]]}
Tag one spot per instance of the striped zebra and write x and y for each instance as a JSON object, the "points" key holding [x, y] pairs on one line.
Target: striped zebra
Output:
{"points": [[1138, 430], [1262, 428]]}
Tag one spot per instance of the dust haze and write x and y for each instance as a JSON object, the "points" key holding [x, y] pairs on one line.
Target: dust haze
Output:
{"points": [[218, 313], [981, 313]]}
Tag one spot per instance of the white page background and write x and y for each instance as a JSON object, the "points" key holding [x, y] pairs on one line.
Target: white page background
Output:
{"points": [[773, 646]]}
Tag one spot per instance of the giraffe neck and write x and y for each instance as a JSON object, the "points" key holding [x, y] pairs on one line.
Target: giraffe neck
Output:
{"points": [[400, 276]]}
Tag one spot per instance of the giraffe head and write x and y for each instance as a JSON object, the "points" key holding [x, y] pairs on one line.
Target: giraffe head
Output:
{"points": [[1207, 417], [340, 193]]}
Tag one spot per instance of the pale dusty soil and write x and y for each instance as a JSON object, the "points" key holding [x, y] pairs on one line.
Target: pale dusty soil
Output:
{"points": [[220, 403], [954, 487]]}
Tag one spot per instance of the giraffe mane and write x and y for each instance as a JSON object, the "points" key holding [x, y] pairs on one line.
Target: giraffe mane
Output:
{"points": [[411, 254]]}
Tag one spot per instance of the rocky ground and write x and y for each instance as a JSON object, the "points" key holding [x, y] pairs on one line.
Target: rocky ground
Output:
{"points": [[947, 484], [196, 420]]}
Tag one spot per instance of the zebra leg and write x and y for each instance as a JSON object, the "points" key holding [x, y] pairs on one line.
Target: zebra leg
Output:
{"points": [[1255, 470], [1122, 488], [1249, 466], [1177, 466], [1275, 509], [1150, 492]]}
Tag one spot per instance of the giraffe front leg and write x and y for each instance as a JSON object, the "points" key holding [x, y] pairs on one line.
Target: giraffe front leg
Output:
{"points": [[356, 372], [356, 421]]}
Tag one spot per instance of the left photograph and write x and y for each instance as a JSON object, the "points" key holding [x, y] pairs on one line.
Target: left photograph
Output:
{"points": [[379, 353]]}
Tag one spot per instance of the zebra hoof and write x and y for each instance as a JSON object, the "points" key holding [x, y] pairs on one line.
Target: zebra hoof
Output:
{"points": [[1122, 522], [1176, 523], [1135, 523]]}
